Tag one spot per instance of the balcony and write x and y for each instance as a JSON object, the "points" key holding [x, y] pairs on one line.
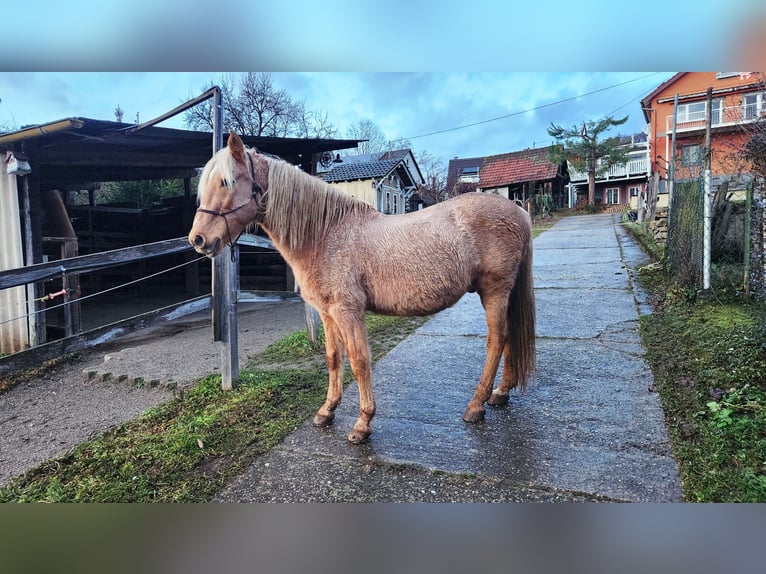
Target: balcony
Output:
{"points": [[727, 116], [634, 168]]}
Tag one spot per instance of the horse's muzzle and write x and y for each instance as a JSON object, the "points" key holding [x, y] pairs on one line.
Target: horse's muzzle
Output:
{"points": [[203, 247]]}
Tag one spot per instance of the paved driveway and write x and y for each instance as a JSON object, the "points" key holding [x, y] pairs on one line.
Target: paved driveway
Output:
{"points": [[587, 428]]}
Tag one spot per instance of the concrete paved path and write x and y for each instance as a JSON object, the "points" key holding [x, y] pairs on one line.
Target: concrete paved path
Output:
{"points": [[587, 428]]}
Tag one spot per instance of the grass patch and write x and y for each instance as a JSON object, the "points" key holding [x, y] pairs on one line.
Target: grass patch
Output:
{"points": [[708, 358], [187, 449]]}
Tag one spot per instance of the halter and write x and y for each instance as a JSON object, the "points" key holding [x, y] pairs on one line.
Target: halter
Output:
{"points": [[256, 189]]}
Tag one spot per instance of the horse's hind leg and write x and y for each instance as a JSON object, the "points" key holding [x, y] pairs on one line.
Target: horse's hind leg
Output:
{"points": [[496, 314], [335, 359], [501, 394]]}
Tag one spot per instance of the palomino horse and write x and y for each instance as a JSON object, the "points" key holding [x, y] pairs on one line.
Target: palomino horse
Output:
{"points": [[349, 258]]}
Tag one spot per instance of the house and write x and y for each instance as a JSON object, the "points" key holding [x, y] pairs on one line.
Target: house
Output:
{"points": [[521, 174], [621, 184], [737, 103], [385, 180], [463, 175]]}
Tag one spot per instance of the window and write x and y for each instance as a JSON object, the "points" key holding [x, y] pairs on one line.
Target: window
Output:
{"points": [[633, 190], [695, 112], [396, 203], [691, 154], [752, 106], [613, 195], [469, 174]]}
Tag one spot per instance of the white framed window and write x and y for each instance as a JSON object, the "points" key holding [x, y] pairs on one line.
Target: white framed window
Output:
{"points": [[612, 195], [469, 174], [695, 112], [396, 203], [633, 190], [752, 106]]}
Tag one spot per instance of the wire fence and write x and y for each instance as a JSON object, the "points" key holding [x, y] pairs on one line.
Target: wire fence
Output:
{"points": [[736, 237]]}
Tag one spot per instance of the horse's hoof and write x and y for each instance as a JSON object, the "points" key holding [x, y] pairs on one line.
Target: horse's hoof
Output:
{"points": [[473, 415], [323, 420], [498, 399], [358, 437]]}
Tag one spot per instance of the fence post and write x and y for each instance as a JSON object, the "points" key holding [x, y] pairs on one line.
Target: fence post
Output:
{"points": [[708, 207], [224, 304], [748, 240]]}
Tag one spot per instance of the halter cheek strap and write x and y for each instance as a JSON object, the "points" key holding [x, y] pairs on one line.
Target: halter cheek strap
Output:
{"points": [[221, 213]]}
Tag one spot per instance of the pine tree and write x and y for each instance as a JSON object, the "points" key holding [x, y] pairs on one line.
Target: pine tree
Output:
{"points": [[583, 148]]}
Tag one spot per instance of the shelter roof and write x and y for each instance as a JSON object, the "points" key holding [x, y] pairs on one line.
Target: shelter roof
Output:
{"points": [[78, 150]]}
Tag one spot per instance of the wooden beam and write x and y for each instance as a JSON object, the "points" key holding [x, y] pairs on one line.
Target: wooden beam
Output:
{"points": [[92, 262]]}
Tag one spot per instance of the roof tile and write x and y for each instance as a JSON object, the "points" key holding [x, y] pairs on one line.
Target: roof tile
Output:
{"points": [[517, 167]]}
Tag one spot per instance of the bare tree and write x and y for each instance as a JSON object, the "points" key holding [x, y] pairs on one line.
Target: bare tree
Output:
{"points": [[252, 105], [435, 174], [315, 124], [368, 130]]}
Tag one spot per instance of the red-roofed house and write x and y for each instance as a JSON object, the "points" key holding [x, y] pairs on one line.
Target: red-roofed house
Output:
{"points": [[521, 174]]}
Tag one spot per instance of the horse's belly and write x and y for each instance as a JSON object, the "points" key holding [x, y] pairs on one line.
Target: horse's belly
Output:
{"points": [[396, 298]]}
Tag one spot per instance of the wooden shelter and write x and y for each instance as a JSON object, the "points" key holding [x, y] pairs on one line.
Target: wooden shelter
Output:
{"points": [[78, 153]]}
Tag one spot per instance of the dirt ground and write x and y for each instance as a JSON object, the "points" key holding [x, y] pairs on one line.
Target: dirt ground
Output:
{"points": [[47, 415]]}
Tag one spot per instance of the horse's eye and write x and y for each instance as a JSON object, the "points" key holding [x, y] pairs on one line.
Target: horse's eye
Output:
{"points": [[223, 183]]}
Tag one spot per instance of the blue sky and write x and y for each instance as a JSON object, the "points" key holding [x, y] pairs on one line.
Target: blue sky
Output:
{"points": [[403, 105], [360, 60]]}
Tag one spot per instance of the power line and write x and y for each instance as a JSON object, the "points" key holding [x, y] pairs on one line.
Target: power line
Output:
{"points": [[540, 107]]}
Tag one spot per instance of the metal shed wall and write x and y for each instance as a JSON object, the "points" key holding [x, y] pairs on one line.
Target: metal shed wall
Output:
{"points": [[14, 335]]}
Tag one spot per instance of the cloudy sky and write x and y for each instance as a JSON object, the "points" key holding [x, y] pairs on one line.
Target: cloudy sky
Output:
{"points": [[446, 114], [334, 55]]}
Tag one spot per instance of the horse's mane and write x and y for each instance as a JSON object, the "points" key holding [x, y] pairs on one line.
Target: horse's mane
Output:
{"points": [[300, 208]]}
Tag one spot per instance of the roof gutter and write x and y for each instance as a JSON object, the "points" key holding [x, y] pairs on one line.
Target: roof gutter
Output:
{"points": [[40, 130]]}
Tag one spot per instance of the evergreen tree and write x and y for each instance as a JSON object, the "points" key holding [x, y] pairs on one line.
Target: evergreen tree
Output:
{"points": [[583, 148]]}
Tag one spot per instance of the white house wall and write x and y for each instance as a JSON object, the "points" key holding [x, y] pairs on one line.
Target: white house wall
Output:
{"points": [[14, 333]]}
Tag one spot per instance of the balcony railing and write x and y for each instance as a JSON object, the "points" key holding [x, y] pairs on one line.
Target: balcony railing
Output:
{"points": [[633, 168], [720, 117]]}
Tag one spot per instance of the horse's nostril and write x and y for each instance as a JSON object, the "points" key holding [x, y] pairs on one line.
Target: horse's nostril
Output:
{"points": [[199, 241]]}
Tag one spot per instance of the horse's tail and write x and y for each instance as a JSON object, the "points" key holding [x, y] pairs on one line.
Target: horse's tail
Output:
{"points": [[521, 322]]}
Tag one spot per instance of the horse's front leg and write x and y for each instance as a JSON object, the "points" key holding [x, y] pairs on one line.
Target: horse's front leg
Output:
{"points": [[354, 333], [335, 359]]}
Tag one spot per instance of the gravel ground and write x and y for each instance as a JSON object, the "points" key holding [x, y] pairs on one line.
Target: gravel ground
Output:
{"points": [[46, 416]]}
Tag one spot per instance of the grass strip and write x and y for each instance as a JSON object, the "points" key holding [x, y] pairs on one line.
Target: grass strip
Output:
{"points": [[187, 449]]}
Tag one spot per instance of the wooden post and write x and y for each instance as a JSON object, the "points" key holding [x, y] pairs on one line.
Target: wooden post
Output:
{"points": [[224, 282]]}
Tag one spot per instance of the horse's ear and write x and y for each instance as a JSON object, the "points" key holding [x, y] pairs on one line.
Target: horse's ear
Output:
{"points": [[236, 147]]}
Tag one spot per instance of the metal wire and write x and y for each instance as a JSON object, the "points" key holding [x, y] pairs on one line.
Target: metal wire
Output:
{"points": [[104, 291]]}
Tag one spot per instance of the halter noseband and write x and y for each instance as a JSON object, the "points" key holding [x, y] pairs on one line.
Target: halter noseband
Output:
{"points": [[256, 189]]}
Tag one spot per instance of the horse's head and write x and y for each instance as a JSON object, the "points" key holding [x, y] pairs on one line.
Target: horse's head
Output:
{"points": [[232, 195]]}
